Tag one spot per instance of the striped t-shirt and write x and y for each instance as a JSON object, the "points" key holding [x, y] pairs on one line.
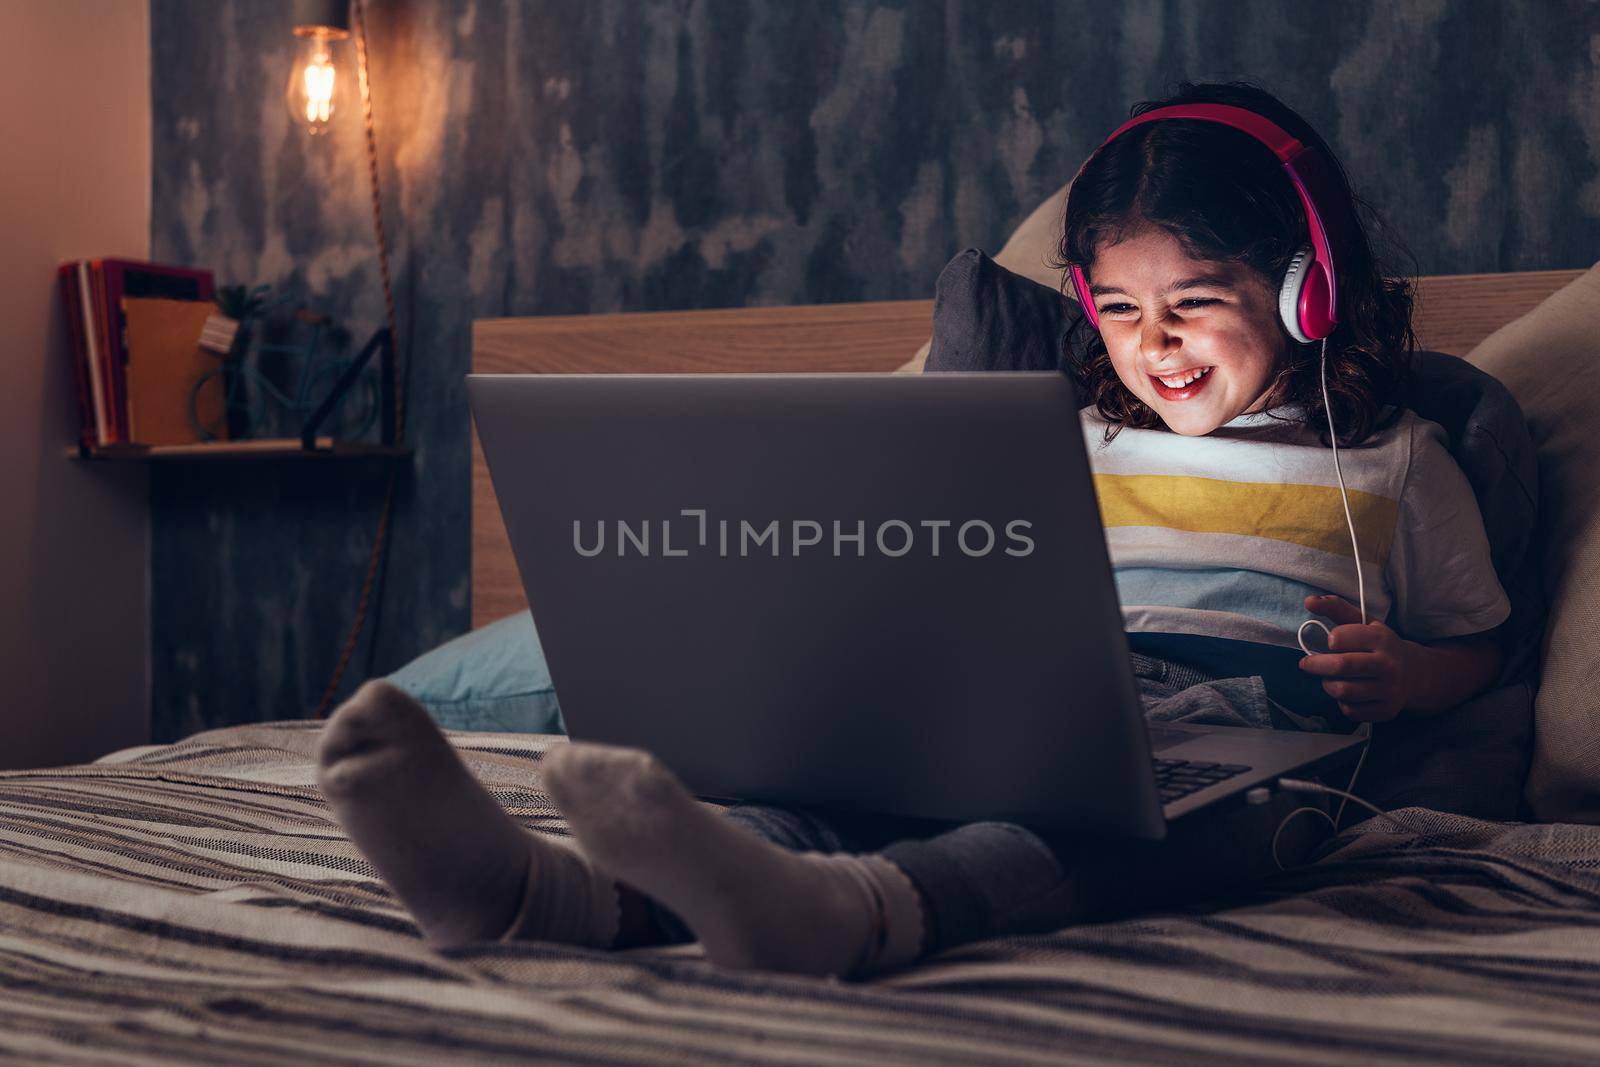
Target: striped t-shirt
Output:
{"points": [[1225, 535]]}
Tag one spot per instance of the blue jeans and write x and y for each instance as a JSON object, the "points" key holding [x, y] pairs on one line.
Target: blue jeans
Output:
{"points": [[994, 879]]}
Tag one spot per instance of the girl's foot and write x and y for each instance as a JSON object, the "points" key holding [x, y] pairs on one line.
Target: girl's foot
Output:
{"points": [[751, 903], [463, 867]]}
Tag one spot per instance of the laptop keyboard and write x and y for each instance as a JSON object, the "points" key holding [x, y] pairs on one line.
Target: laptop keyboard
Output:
{"points": [[1176, 778]]}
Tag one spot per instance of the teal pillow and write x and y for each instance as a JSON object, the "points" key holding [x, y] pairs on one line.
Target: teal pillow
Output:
{"points": [[493, 678]]}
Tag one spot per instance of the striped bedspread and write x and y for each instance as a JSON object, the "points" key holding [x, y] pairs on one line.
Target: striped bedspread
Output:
{"points": [[195, 904]]}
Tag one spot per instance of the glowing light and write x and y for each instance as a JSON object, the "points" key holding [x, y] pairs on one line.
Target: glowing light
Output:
{"points": [[316, 88]]}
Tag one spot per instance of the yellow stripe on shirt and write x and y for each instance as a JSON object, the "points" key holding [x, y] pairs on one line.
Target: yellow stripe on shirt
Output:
{"points": [[1308, 515]]}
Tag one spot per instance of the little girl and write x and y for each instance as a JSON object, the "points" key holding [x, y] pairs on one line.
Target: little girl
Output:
{"points": [[1209, 434]]}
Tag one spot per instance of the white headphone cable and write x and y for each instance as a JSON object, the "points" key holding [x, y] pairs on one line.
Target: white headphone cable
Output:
{"points": [[1361, 594], [1338, 471], [1296, 785], [1344, 499]]}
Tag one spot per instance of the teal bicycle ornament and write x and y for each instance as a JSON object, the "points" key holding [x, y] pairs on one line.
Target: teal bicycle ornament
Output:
{"points": [[327, 387]]}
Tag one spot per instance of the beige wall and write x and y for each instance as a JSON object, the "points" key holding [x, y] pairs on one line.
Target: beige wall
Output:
{"points": [[74, 537]]}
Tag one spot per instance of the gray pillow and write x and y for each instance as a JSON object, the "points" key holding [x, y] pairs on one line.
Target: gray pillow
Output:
{"points": [[987, 319], [1472, 760]]}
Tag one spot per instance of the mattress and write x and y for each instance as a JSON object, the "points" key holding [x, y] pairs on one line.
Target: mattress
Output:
{"points": [[195, 903]]}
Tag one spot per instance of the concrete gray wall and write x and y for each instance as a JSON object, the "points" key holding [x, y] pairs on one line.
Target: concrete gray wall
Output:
{"points": [[607, 155], [74, 536]]}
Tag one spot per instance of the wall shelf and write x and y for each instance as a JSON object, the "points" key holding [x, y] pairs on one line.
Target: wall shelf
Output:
{"points": [[263, 449]]}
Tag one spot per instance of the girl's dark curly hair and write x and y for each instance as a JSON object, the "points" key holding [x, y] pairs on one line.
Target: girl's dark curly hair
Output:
{"points": [[1225, 197]]}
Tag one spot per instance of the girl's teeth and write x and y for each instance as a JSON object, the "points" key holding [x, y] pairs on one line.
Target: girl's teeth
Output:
{"points": [[1179, 383]]}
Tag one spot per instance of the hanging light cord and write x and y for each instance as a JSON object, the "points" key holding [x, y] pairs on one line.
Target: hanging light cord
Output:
{"points": [[381, 536], [363, 78]]}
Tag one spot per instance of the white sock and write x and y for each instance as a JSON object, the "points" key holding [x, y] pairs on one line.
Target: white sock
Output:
{"points": [[752, 903], [894, 909]]}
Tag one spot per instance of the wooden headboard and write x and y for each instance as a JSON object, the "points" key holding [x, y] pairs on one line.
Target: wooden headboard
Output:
{"points": [[1454, 313]]}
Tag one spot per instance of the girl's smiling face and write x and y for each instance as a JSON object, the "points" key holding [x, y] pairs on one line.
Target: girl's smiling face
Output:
{"points": [[1167, 317]]}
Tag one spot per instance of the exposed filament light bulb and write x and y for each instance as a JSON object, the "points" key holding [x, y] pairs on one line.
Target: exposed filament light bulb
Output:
{"points": [[319, 79]]}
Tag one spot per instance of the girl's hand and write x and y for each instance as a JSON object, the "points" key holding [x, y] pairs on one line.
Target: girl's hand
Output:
{"points": [[1365, 666]]}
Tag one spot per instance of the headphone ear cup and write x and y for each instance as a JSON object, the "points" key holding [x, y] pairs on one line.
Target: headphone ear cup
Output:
{"points": [[1294, 280]]}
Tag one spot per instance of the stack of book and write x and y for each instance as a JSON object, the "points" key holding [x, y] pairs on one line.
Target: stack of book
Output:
{"points": [[135, 330]]}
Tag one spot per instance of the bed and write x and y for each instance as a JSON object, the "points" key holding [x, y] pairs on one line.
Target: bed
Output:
{"points": [[194, 903]]}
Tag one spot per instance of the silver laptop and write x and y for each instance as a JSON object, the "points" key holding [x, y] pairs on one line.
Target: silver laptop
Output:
{"points": [[886, 593]]}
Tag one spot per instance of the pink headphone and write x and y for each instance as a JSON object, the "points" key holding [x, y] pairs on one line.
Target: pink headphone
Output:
{"points": [[1306, 300]]}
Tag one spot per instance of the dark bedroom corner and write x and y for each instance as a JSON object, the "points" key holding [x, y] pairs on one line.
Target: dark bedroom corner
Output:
{"points": [[1055, 532]]}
